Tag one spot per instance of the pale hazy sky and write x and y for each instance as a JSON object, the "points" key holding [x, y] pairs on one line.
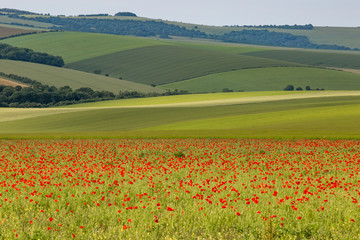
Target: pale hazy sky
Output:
{"points": [[210, 12]]}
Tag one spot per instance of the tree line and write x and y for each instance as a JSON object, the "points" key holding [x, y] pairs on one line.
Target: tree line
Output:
{"points": [[164, 30], [27, 55], [118, 27], [39, 95], [279, 39], [297, 27]]}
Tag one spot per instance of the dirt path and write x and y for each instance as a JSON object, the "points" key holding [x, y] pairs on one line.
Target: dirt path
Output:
{"points": [[11, 83]]}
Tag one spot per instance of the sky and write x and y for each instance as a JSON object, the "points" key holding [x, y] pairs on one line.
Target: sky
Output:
{"points": [[209, 12]]}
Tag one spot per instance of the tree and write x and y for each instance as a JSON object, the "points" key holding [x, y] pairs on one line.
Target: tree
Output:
{"points": [[299, 89], [127, 14], [289, 88], [308, 88]]}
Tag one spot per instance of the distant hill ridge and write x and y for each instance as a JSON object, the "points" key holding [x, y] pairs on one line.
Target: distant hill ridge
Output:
{"points": [[162, 29]]}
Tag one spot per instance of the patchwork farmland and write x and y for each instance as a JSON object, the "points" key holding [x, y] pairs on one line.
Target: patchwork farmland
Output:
{"points": [[226, 154]]}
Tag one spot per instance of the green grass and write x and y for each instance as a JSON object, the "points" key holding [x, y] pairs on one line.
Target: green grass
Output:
{"points": [[7, 20], [338, 60], [343, 36], [313, 117], [181, 99], [76, 46], [167, 64], [273, 79], [58, 77]]}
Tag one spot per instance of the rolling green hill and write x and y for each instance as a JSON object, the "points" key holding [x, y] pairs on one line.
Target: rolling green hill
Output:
{"points": [[58, 77], [208, 98], [346, 36], [76, 46], [325, 59], [308, 117], [270, 79], [167, 64]]}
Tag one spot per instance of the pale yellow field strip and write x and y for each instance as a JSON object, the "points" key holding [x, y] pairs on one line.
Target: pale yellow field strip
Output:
{"points": [[11, 114], [11, 83], [245, 100], [356, 71]]}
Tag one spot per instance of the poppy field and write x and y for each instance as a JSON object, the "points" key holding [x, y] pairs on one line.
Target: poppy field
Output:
{"points": [[179, 189]]}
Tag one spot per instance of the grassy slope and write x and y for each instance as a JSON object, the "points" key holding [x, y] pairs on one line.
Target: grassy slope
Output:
{"points": [[348, 36], [7, 20], [180, 99], [339, 60], [345, 36], [270, 79], [54, 76], [166, 64], [313, 117], [76, 46]]}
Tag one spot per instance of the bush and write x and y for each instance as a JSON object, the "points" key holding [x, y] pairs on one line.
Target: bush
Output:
{"points": [[289, 88]]}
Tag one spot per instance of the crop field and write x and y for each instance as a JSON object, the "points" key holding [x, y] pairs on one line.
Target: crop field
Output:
{"points": [[325, 59], [58, 77], [8, 32], [76, 46], [286, 116], [344, 36], [166, 64], [265, 79], [207, 99], [7, 20], [180, 189]]}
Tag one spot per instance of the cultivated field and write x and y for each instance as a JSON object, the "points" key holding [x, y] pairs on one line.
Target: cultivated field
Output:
{"points": [[7, 20], [8, 32], [76, 46], [59, 77], [325, 59], [329, 115], [270, 79], [179, 189], [167, 64]]}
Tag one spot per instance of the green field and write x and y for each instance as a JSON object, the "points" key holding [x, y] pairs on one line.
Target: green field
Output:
{"points": [[325, 59], [7, 20], [58, 77], [166, 64], [270, 79], [76, 46], [309, 117], [343, 36], [210, 98]]}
